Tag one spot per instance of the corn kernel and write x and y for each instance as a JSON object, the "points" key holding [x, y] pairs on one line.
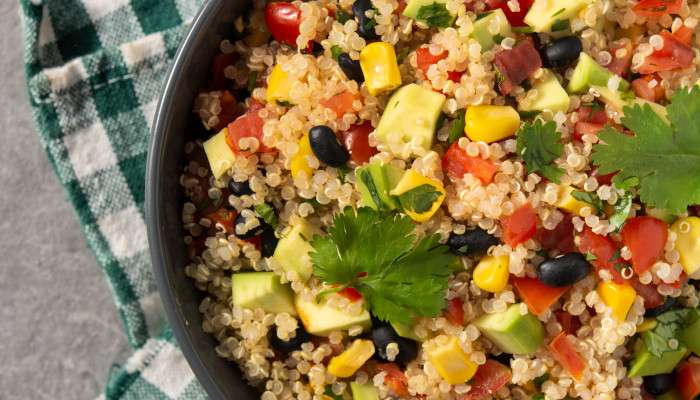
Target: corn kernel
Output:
{"points": [[567, 202], [487, 123], [379, 66], [647, 325], [415, 209], [219, 154], [299, 163], [687, 243], [619, 297], [491, 274], [279, 84], [349, 361], [452, 363]]}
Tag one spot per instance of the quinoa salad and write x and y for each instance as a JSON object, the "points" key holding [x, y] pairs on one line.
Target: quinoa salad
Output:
{"points": [[452, 199]]}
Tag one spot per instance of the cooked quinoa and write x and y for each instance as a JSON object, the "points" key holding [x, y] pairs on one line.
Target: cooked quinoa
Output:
{"points": [[295, 116]]}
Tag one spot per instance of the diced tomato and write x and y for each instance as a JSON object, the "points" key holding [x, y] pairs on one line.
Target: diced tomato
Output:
{"points": [[645, 237], [341, 103], [247, 125], [283, 20], [454, 312], [652, 297], [402, 6], [356, 140], [621, 65], [605, 179], [673, 55], [456, 163], [688, 379], [514, 17], [569, 323], [351, 294], [424, 58], [517, 64], [684, 35], [455, 76], [565, 353], [538, 296], [603, 249], [682, 280], [561, 238], [519, 226], [657, 8], [395, 379], [595, 115], [230, 110], [224, 217], [218, 65], [585, 128], [489, 378], [642, 89]]}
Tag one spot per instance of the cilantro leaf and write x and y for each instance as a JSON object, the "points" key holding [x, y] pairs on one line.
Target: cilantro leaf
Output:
{"points": [[457, 127], [664, 158], [342, 16], [336, 51], [588, 197], [267, 213], [377, 255], [252, 80], [621, 211], [539, 146], [669, 326], [435, 15], [419, 199]]}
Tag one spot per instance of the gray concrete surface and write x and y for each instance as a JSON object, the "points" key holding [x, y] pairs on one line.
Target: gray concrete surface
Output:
{"points": [[59, 331]]}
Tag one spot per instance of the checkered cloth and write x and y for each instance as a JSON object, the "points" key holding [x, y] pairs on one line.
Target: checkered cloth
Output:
{"points": [[94, 69]]}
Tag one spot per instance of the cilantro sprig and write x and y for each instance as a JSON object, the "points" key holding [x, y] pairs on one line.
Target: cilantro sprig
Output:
{"points": [[538, 144], [378, 254], [663, 157], [669, 326], [435, 15]]}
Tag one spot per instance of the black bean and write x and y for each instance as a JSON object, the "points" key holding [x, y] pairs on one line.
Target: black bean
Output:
{"points": [[659, 384], [239, 188], [562, 52], [269, 242], [656, 311], [241, 220], [473, 241], [503, 358], [563, 270], [383, 334], [365, 24], [287, 346], [327, 147], [351, 68], [316, 48]]}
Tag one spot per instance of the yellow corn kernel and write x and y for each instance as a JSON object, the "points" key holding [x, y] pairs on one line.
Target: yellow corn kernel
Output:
{"points": [[279, 83], [647, 325], [348, 362], [491, 274], [489, 124], [219, 153], [379, 66], [567, 202], [452, 363], [619, 297], [299, 163], [687, 232], [412, 180]]}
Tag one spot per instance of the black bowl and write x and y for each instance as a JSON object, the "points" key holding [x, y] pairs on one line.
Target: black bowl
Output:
{"points": [[164, 199]]}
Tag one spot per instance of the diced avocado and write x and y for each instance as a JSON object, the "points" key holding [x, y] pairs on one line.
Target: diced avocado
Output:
{"points": [[690, 337], [589, 73], [262, 290], [545, 13], [491, 29], [512, 331], [405, 331], [613, 98], [413, 6], [375, 181], [365, 391], [645, 364], [218, 153], [412, 112], [292, 251], [550, 96], [321, 319]]}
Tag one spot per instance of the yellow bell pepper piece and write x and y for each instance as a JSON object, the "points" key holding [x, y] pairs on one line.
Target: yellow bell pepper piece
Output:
{"points": [[413, 180], [219, 154], [647, 325], [279, 83], [452, 363], [348, 362], [567, 202], [487, 123], [299, 163], [491, 274], [619, 297], [687, 232], [379, 66]]}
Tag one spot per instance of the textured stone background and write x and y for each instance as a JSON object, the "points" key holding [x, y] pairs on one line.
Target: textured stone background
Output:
{"points": [[59, 331]]}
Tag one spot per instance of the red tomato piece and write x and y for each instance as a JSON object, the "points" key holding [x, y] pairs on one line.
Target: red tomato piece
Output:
{"points": [[224, 217], [565, 353], [356, 140], [604, 179], [395, 379], [519, 226], [652, 297], [456, 163], [455, 76], [645, 237], [247, 125], [351, 294], [454, 312], [341, 103], [594, 115], [230, 110], [673, 55], [603, 249], [684, 35], [657, 8], [569, 323], [642, 89], [424, 58], [283, 20], [682, 280], [517, 64], [621, 65], [538, 296], [561, 238], [585, 128], [688, 379], [514, 17], [218, 65], [488, 379]]}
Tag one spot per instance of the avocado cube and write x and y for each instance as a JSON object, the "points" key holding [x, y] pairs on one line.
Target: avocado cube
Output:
{"points": [[413, 6], [589, 73], [321, 319], [490, 29], [545, 13], [512, 331], [690, 337], [550, 96], [218, 153], [405, 331], [646, 364], [365, 391], [262, 290], [374, 182], [292, 251]]}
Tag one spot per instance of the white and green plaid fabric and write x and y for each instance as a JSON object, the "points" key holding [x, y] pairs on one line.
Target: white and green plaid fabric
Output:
{"points": [[94, 70]]}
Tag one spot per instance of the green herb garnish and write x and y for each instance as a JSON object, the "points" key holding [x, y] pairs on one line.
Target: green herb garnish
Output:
{"points": [[621, 211], [342, 16], [284, 103], [336, 51], [267, 213], [669, 326], [419, 199], [457, 127], [590, 198], [435, 15], [252, 80], [539, 146]]}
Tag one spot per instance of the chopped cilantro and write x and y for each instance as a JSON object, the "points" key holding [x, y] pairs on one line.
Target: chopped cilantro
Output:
{"points": [[402, 54], [539, 146], [664, 158], [540, 380], [314, 203], [329, 393], [399, 276], [522, 29], [558, 12], [528, 114], [267, 213], [342, 16], [590, 256], [252, 80], [336, 51], [588, 197], [669, 325], [560, 25], [419, 199], [435, 15], [284, 103], [538, 396], [621, 211], [457, 128], [343, 171]]}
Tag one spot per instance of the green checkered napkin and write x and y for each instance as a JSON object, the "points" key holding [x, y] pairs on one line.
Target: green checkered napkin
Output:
{"points": [[94, 70]]}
